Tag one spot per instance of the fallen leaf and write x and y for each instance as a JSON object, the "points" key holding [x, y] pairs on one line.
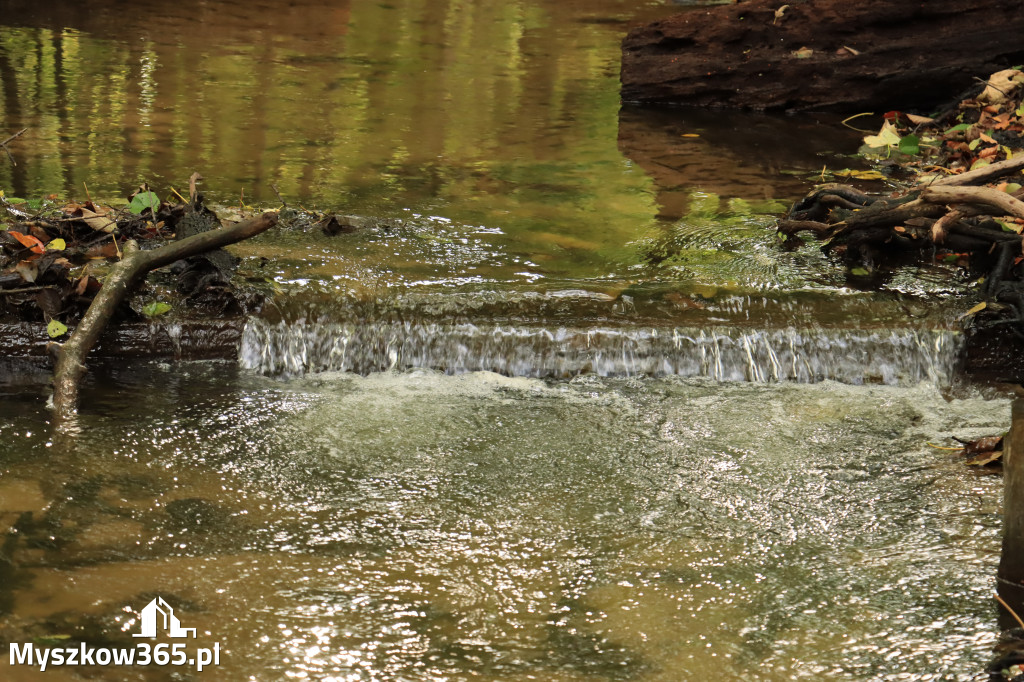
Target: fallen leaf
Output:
{"points": [[28, 240], [1001, 85], [98, 222], [1010, 225], [156, 308], [108, 250], [803, 53], [985, 458], [860, 174], [56, 328], [28, 270], [57, 245], [886, 137], [973, 311], [918, 120]]}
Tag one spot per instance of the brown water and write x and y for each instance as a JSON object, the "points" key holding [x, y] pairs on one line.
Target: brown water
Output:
{"points": [[430, 521]]}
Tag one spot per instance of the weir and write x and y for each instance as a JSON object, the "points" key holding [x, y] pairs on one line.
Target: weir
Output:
{"points": [[884, 356]]}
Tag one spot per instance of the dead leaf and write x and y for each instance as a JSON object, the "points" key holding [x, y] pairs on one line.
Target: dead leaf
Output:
{"points": [[779, 12], [981, 445], [28, 270], [107, 250], [98, 222], [985, 458], [1001, 86], [803, 53], [50, 302], [918, 120], [684, 302], [973, 311], [31, 242]]}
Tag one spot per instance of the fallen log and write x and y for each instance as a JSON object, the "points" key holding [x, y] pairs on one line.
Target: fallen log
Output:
{"points": [[70, 356], [821, 54]]}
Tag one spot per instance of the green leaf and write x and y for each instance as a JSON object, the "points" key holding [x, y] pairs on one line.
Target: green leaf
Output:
{"points": [[1012, 187], [958, 128], [57, 245], [142, 201], [156, 308], [910, 145], [974, 144], [860, 272], [56, 328]]}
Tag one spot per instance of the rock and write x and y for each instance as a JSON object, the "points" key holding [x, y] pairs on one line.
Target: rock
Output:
{"points": [[821, 54]]}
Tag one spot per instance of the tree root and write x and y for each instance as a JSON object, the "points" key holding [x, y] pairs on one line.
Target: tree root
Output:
{"points": [[70, 356]]}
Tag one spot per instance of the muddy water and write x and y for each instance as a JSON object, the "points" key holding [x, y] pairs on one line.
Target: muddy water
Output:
{"points": [[648, 490]]}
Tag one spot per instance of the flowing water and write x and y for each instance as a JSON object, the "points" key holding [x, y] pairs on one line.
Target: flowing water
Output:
{"points": [[565, 409]]}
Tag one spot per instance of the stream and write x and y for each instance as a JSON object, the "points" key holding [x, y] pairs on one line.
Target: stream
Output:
{"points": [[565, 409]]}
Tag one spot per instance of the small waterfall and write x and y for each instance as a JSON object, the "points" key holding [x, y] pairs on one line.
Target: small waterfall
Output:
{"points": [[889, 356]]}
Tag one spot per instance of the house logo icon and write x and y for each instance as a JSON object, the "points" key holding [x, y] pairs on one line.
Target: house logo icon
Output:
{"points": [[159, 612]]}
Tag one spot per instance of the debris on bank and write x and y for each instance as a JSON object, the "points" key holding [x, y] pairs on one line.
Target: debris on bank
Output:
{"points": [[55, 255], [957, 199]]}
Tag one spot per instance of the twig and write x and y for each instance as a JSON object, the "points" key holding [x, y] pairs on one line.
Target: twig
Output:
{"points": [[850, 118], [26, 290], [15, 135], [8, 151], [1012, 612], [283, 202]]}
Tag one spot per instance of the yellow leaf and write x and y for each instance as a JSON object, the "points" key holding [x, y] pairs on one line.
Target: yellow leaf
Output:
{"points": [[57, 245], [973, 311], [860, 174], [886, 137]]}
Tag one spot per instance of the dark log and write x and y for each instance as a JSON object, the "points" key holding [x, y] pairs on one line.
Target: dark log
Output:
{"points": [[1011, 565], [863, 55]]}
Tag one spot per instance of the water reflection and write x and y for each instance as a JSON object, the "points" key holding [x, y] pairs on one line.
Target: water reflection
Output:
{"points": [[732, 154]]}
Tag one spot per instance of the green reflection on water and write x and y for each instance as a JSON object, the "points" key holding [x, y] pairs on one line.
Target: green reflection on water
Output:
{"points": [[504, 115]]}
